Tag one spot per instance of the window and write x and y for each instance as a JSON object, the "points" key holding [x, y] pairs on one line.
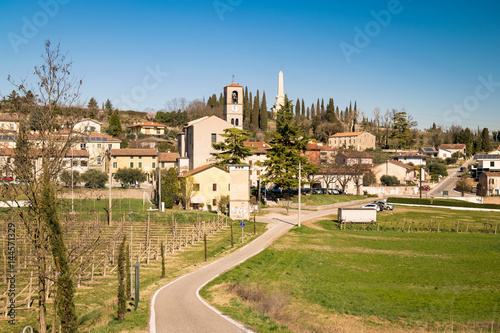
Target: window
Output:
{"points": [[250, 162], [131, 157], [75, 162], [258, 172], [114, 157], [232, 121], [196, 187], [115, 165], [139, 165], [153, 165], [154, 157], [214, 187], [99, 159], [83, 146], [98, 145], [140, 157], [214, 138], [214, 202], [83, 163], [492, 164], [162, 164], [237, 122], [132, 165]]}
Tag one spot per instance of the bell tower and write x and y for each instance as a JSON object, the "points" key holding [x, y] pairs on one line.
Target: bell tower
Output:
{"points": [[233, 105]]}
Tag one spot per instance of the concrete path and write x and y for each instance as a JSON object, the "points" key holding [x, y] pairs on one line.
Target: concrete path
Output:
{"points": [[178, 308]]}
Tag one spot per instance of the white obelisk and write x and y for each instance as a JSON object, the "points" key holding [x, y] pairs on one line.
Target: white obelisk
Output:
{"points": [[280, 98]]}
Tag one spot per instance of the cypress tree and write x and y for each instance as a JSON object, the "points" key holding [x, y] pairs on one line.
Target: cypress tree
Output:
{"points": [[485, 140], [162, 260], [337, 112], [254, 126], [308, 115], [221, 100], [246, 110], [317, 107], [128, 276], [313, 112], [122, 300], [263, 113], [322, 113], [297, 108], [304, 109]]}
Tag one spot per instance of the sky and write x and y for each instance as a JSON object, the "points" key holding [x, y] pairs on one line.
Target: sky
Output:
{"points": [[439, 60]]}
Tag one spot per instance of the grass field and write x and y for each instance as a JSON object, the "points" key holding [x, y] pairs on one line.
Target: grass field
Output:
{"points": [[96, 301], [321, 279], [327, 199]]}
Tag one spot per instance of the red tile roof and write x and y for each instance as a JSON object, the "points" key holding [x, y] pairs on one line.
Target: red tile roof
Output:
{"points": [[343, 134], [234, 85], [453, 146], [200, 169], [355, 154], [147, 124], [402, 164], [315, 146], [492, 174], [409, 154], [169, 157], [77, 153]]}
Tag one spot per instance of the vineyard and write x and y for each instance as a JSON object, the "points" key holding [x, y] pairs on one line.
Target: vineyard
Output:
{"points": [[93, 246]]}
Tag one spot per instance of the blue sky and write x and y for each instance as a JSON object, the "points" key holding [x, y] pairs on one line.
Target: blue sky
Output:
{"points": [[438, 60]]}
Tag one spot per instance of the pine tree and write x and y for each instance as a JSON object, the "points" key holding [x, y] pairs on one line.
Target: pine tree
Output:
{"points": [[286, 148], [93, 107], [232, 150], [263, 113], [115, 126]]}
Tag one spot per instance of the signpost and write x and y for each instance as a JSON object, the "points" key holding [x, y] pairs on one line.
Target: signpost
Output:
{"points": [[242, 224]]}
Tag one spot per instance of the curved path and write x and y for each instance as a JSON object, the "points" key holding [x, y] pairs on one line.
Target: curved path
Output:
{"points": [[178, 308]]}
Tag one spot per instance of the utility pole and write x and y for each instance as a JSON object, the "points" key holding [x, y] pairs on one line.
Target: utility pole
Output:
{"points": [[300, 185], [110, 179], [420, 188]]}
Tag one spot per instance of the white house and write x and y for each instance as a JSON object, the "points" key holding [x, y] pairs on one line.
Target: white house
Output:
{"points": [[409, 157], [87, 125]]}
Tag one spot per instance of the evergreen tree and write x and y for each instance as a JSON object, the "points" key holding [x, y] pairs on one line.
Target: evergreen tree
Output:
{"points": [[303, 109], [485, 139], [322, 113], [221, 100], [330, 112], [109, 107], [233, 151], [313, 112], [122, 300], [170, 188], [115, 126], [401, 129], [337, 113], [318, 110], [254, 126], [308, 113], [297, 108], [93, 107], [263, 113], [128, 275], [246, 110]]}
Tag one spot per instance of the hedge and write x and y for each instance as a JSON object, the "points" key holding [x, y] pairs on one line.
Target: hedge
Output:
{"points": [[441, 202]]}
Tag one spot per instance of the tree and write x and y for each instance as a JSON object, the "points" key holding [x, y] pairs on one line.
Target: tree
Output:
{"points": [[401, 129], [464, 185], [93, 107], [122, 301], [187, 190], [57, 90], [286, 151], [68, 180], [369, 178], [389, 180], [254, 121], [115, 126], [108, 106], [263, 113], [129, 176], [232, 149], [170, 188], [94, 178], [297, 108], [485, 140]]}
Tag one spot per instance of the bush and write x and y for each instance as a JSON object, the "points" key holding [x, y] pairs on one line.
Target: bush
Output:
{"points": [[66, 177], [389, 180], [130, 176], [441, 202], [369, 178], [451, 160], [94, 178], [437, 168]]}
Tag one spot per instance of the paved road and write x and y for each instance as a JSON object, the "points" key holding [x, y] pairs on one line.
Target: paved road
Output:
{"points": [[177, 306], [449, 184]]}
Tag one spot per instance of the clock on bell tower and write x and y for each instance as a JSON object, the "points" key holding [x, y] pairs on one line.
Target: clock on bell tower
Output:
{"points": [[233, 105]]}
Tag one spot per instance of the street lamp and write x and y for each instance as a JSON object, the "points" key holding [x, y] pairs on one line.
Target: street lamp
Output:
{"points": [[131, 217]]}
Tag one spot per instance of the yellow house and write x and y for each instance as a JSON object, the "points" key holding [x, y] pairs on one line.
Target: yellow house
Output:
{"points": [[148, 128], [144, 159], [210, 183]]}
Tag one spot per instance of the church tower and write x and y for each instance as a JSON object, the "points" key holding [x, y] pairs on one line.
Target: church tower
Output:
{"points": [[233, 105]]}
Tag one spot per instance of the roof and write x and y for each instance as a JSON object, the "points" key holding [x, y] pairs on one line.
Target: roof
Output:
{"points": [[77, 153], [148, 124], [409, 154], [487, 156], [403, 164], [169, 157], [88, 119], [452, 146], [343, 134], [491, 174], [429, 149], [258, 147], [133, 152], [233, 85], [200, 169], [355, 154], [315, 146], [101, 137], [151, 139]]}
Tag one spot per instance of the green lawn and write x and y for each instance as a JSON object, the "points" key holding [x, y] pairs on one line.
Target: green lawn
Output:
{"points": [[335, 280], [326, 199]]}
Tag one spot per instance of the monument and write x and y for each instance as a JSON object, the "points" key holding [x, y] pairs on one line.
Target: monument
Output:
{"points": [[280, 98]]}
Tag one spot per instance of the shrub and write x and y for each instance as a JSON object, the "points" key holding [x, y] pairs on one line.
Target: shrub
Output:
{"points": [[369, 178], [441, 202], [389, 180], [94, 178]]}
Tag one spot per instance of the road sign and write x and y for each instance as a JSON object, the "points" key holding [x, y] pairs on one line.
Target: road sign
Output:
{"points": [[445, 193], [242, 224]]}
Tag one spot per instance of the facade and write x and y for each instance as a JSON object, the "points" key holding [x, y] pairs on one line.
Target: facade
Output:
{"points": [[351, 158], [233, 105], [355, 140], [150, 142], [195, 140], [210, 183], [148, 128], [169, 160], [97, 145], [239, 192], [486, 163], [453, 148], [444, 153], [406, 158], [319, 154], [259, 156], [87, 126], [9, 123], [144, 159], [76, 160], [403, 172], [489, 184]]}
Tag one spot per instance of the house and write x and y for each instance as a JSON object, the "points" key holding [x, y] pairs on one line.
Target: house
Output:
{"points": [[489, 184], [9, 123], [148, 128], [256, 160], [97, 145], [210, 183], [195, 140], [350, 158], [429, 152], [318, 154], [87, 125], [8, 140], [409, 157], [334, 177], [403, 172], [447, 150], [486, 163], [169, 160], [495, 152], [355, 140], [150, 142], [144, 159], [76, 160], [6, 160]]}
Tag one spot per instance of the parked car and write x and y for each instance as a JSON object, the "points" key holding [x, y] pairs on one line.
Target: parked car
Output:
{"points": [[316, 191], [334, 191], [383, 205], [372, 206], [425, 187]]}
